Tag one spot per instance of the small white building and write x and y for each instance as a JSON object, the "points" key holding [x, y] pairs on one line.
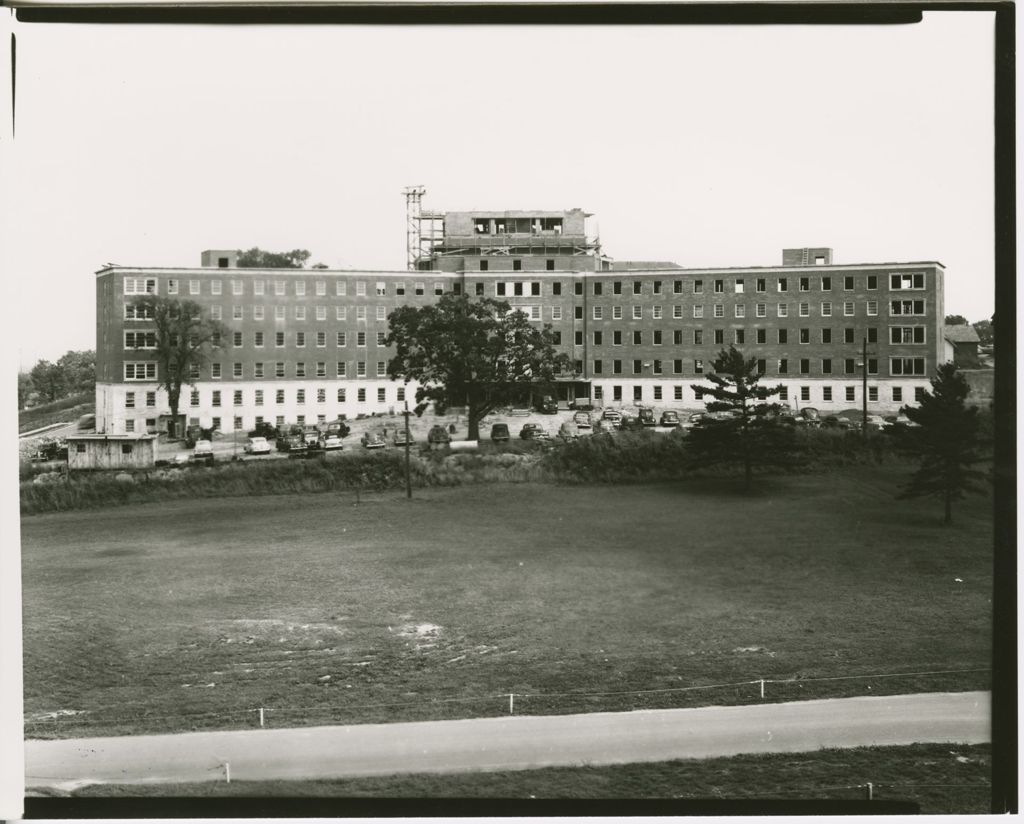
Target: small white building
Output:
{"points": [[111, 451]]}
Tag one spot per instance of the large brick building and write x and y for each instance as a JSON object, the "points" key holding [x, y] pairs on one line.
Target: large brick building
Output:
{"points": [[307, 344]]}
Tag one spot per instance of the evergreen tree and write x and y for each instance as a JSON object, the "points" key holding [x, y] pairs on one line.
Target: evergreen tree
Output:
{"points": [[741, 428], [946, 440]]}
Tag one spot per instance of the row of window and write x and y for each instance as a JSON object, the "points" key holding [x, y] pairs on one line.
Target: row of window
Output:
{"points": [[827, 394], [147, 340], [900, 281], [262, 396], [827, 366], [897, 335]]}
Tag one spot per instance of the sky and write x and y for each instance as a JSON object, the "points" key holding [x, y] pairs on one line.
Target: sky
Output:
{"points": [[707, 146]]}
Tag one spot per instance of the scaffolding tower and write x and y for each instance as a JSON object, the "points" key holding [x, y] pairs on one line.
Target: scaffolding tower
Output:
{"points": [[423, 230]]}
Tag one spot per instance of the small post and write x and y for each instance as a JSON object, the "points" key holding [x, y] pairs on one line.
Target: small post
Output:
{"points": [[511, 703], [261, 716], [869, 790], [227, 772], [762, 688]]}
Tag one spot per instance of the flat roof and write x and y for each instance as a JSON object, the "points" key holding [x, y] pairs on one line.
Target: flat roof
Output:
{"points": [[141, 436]]}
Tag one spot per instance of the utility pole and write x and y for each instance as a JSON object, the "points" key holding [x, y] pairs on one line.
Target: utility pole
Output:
{"points": [[408, 471], [864, 390]]}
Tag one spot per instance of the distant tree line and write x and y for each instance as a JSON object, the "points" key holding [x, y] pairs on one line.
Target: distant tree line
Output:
{"points": [[73, 373]]}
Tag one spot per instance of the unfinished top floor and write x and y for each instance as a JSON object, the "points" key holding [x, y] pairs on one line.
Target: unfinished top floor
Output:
{"points": [[528, 223]]}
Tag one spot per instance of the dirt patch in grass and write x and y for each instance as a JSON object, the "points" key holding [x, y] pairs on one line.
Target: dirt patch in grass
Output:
{"points": [[574, 598]]}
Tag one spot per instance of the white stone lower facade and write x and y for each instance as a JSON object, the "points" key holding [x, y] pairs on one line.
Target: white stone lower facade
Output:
{"points": [[125, 408]]}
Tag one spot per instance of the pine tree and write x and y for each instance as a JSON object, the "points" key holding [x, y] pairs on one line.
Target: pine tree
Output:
{"points": [[946, 440], [741, 428]]}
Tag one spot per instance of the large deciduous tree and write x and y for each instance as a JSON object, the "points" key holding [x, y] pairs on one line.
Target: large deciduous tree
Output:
{"points": [[79, 368], [480, 354], [741, 427], [48, 381], [946, 440], [184, 337], [955, 320], [256, 258]]}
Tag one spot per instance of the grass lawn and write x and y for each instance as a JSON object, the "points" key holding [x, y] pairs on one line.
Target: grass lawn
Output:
{"points": [[192, 614], [939, 777]]}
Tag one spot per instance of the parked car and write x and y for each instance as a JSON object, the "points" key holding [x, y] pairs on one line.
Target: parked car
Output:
{"points": [[568, 431], [311, 435], [438, 435], [533, 432], [582, 420], [809, 416], [291, 439], [192, 435], [645, 416], [401, 439], [203, 451], [87, 422], [373, 440], [613, 416], [52, 450], [331, 441], [583, 404], [548, 405], [835, 422], [669, 418], [693, 420], [257, 446], [499, 432], [338, 427]]}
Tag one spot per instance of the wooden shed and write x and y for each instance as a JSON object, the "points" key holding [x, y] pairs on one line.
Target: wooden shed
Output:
{"points": [[111, 451]]}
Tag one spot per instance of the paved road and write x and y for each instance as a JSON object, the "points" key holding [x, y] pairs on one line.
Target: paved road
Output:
{"points": [[511, 743]]}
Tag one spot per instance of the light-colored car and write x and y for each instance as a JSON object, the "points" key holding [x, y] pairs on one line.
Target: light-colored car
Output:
{"points": [[257, 446], [568, 431], [582, 420], [330, 440], [203, 451]]}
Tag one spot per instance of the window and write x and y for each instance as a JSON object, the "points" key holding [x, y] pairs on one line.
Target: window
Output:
{"points": [[278, 338], [826, 284], [906, 280], [848, 334], [698, 311], [193, 287], [556, 337], [129, 400], [738, 286], [805, 366], [380, 394], [556, 313], [381, 336], [851, 395], [216, 397], [784, 394], [897, 394], [598, 366], [638, 393], [906, 307], [739, 336], [556, 288], [826, 394], [236, 339], [193, 398], [719, 337], [805, 336], [616, 313], [300, 369], [761, 310], [438, 288], [872, 366], [598, 338], [849, 365], [418, 288], [657, 287], [236, 398], [719, 310], [906, 334], [126, 448], [361, 395], [805, 285], [740, 310], [279, 313], [783, 366], [140, 371], [340, 369], [657, 389], [138, 312], [826, 366], [147, 286], [617, 367], [677, 366], [872, 281], [361, 313], [638, 287], [698, 287], [300, 313], [578, 312], [616, 393], [677, 337], [783, 284], [848, 308], [215, 287], [657, 337], [360, 288], [279, 288], [638, 312], [677, 311], [193, 371], [279, 369], [616, 337], [236, 370], [826, 309], [382, 313], [872, 307], [172, 286], [259, 287], [804, 310], [321, 369], [279, 396], [300, 395], [805, 393], [360, 338], [873, 394], [782, 310], [918, 394], [400, 393], [762, 335], [761, 285], [321, 313], [656, 312], [906, 366], [578, 338], [517, 265], [598, 312], [638, 337], [257, 369], [550, 264], [340, 288], [361, 369], [848, 283], [677, 287], [140, 340]]}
